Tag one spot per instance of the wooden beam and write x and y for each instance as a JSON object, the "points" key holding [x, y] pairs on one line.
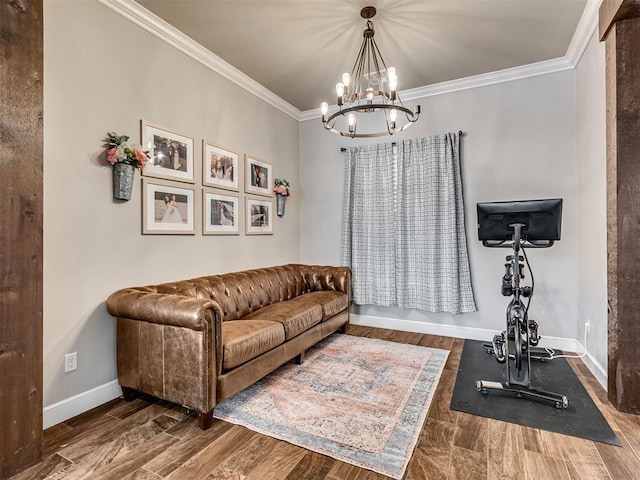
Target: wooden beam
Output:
{"points": [[623, 203], [612, 11], [21, 207]]}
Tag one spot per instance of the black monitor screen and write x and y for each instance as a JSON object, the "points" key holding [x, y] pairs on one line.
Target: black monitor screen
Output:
{"points": [[541, 218]]}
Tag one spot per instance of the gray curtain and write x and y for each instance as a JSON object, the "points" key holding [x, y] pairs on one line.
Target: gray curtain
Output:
{"points": [[403, 225]]}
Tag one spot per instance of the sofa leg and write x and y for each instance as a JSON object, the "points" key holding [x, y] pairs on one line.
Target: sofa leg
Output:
{"points": [[299, 358], [343, 328], [205, 419], [129, 394]]}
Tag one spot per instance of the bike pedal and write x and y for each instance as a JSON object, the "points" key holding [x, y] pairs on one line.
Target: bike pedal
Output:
{"points": [[533, 333], [499, 348]]}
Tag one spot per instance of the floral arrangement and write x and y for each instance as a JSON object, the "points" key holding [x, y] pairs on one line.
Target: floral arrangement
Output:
{"points": [[119, 150], [282, 186]]}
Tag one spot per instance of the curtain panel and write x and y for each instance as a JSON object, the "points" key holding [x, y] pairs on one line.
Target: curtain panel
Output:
{"points": [[403, 225]]}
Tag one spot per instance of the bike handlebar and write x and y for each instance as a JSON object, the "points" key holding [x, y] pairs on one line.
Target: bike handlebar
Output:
{"points": [[524, 243]]}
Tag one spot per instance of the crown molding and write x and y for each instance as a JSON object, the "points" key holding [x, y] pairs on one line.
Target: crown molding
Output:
{"points": [[153, 24], [500, 76], [483, 80], [587, 25]]}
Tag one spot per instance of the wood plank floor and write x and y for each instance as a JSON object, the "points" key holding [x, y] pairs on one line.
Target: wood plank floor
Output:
{"points": [[150, 439]]}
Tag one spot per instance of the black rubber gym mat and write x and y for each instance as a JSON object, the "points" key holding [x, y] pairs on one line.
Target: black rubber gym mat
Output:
{"points": [[580, 419]]}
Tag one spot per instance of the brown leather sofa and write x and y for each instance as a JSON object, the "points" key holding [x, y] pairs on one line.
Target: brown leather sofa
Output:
{"points": [[196, 342]]}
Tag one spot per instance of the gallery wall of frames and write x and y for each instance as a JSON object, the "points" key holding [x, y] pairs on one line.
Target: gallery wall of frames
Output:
{"points": [[236, 195]]}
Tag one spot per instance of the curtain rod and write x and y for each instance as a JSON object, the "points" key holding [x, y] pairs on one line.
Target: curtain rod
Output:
{"points": [[344, 149]]}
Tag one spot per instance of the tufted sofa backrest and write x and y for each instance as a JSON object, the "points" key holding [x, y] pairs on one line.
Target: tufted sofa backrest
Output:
{"points": [[241, 293]]}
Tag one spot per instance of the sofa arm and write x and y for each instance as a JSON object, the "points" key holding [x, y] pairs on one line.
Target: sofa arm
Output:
{"points": [[169, 346], [324, 277], [165, 309]]}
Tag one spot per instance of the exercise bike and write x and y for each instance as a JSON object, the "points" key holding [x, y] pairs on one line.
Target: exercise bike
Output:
{"points": [[525, 222]]}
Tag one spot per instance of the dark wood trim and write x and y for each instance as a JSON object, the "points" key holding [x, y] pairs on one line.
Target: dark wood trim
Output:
{"points": [[612, 11], [21, 207], [623, 191]]}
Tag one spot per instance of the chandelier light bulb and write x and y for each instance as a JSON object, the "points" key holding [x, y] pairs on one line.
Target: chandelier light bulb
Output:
{"points": [[346, 78], [393, 79], [370, 94], [351, 118], [340, 89], [393, 114], [324, 108]]}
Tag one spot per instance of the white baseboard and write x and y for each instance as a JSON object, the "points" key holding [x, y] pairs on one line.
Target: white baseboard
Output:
{"points": [[471, 333], [595, 368], [72, 406]]}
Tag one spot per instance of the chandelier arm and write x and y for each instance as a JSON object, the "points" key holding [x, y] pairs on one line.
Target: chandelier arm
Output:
{"points": [[376, 50], [360, 74], [329, 125], [357, 68], [411, 116], [369, 55], [390, 130], [399, 100], [404, 127]]}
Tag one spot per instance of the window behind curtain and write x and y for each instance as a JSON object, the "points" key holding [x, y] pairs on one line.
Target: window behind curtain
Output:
{"points": [[403, 225]]}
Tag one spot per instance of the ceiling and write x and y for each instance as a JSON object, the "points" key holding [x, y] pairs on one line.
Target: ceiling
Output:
{"points": [[298, 49]]}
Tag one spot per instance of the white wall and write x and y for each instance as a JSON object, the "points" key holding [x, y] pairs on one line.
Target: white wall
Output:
{"points": [[519, 143], [103, 73], [592, 202]]}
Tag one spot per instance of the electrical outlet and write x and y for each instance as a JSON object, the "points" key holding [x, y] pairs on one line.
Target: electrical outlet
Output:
{"points": [[587, 327], [70, 362]]}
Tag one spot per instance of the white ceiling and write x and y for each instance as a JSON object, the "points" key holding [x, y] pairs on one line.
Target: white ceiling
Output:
{"points": [[298, 49]]}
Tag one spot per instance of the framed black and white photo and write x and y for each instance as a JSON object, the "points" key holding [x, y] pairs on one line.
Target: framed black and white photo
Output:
{"points": [[259, 216], [167, 207], [221, 213], [220, 166], [171, 153], [258, 177]]}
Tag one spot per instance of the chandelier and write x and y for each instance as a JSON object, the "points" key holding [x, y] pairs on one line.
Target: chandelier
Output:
{"points": [[371, 88]]}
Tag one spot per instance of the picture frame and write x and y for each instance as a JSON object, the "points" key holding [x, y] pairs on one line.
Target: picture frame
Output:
{"points": [[171, 153], [220, 166], [258, 176], [221, 213], [167, 207], [259, 215]]}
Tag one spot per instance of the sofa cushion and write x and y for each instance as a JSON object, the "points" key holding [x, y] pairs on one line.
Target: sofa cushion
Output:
{"points": [[332, 302], [296, 315], [243, 340]]}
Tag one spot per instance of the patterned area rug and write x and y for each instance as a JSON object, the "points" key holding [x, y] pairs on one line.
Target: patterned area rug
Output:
{"points": [[359, 400]]}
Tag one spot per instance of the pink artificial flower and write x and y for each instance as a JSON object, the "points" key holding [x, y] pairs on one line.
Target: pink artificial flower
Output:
{"points": [[111, 156], [141, 157]]}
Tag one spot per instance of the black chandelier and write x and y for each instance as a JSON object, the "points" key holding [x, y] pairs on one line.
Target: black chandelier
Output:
{"points": [[370, 88]]}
